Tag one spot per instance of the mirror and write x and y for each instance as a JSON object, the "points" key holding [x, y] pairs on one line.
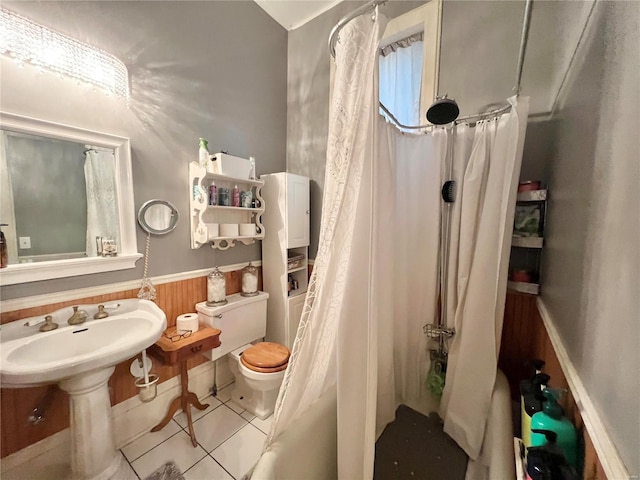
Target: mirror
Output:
{"points": [[158, 217], [67, 195]]}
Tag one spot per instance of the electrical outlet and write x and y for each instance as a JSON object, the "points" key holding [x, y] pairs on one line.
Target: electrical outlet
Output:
{"points": [[25, 243]]}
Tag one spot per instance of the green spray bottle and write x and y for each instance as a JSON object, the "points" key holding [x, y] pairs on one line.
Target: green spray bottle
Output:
{"points": [[551, 418]]}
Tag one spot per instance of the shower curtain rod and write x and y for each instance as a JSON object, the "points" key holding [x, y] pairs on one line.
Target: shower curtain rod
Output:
{"points": [[524, 37]]}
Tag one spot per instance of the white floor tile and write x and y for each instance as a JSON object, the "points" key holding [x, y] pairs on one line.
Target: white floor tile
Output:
{"points": [[125, 471], [264, 425], [235, 407], [224, 395], [207, 468], [238, 454], [50, 466], [181, 418], [248, 416], [146, 442], [178, 448], [214, 428]]}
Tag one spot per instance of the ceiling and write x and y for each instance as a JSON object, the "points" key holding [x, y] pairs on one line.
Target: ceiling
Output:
{"points": [[292, 14]]}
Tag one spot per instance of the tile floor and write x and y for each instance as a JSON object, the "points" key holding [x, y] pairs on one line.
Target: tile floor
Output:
{"points": [[229, 438]]}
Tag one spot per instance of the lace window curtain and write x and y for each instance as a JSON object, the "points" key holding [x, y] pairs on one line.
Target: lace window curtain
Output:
{"points": [[400, 78], [102, 198]]}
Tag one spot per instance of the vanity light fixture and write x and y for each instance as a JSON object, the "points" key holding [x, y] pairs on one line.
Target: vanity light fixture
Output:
{"points": [[27, 41]]}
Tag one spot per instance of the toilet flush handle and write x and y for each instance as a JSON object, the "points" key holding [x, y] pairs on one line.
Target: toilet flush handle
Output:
{"points": [[218, 316]]}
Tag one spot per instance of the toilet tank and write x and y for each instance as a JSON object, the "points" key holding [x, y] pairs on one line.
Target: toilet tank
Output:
{"points": [[242, 320]]}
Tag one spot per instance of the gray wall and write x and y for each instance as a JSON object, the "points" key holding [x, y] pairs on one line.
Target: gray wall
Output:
{"points": [[478, 59], [591, 286], [211, 69]]}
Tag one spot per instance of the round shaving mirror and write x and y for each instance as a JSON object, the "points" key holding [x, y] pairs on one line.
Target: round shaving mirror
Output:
{"points": [[158, 217]]}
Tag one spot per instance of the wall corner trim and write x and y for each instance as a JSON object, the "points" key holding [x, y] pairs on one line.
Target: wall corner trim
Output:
{"points": [[608, 455]]}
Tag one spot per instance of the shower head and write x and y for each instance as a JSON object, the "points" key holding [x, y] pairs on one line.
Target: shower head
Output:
{"points": [[444, 110]]}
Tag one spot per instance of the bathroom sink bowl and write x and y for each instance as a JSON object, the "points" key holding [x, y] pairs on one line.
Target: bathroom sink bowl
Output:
{"points": [[29, 357]]}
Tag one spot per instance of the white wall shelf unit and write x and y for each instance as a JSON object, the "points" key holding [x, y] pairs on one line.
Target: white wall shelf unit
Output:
{"points": [[530, 246], [202, 214], [285, 253]]}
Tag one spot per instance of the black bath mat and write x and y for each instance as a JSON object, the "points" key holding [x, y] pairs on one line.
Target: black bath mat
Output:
{"points": [[414, 447]]}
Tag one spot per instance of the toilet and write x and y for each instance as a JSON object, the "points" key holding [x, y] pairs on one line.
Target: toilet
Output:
{"points": [[258, 370], [258, 367]]}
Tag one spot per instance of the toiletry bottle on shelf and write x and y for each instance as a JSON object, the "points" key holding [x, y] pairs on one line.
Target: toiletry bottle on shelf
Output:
{"points": [[236, 196], [548, 461], [213, 194], [532, 404], [551, 418], [252, 172], [4, 255], [529, 387], [203, 153]]}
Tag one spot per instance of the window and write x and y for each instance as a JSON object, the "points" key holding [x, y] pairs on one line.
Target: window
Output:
{"points": [[408, 73]]}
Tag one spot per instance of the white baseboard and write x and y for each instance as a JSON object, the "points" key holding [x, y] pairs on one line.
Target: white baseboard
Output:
{"points": [[608, 455], [131, 418]]}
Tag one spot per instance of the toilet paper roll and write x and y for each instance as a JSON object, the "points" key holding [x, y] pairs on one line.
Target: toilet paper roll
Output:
{"points": [[248, 229], [212, 231], [187, 321], [228, 229]]}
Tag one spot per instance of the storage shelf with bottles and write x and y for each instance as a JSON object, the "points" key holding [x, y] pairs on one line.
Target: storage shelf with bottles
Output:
{"points": [[527, 241], [297, 267], [204, 216]]}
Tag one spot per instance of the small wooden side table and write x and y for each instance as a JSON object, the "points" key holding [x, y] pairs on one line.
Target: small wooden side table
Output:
{"points": [[178, 352]]}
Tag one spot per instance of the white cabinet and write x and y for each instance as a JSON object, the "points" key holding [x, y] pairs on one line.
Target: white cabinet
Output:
{"points": [[245, 222], [284, 253], [297, 211], [296, 304]]}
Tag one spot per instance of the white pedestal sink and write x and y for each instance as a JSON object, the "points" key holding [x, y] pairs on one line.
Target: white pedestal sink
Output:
{"points": [[81, 358]]}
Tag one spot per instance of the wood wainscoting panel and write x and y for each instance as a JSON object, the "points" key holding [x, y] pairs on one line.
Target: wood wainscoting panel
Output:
{"points": [[524, 338], [174, 298]]}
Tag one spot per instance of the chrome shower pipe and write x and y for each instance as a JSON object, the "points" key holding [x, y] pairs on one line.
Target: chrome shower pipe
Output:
{"points": [[333, 36], [524, 38]]}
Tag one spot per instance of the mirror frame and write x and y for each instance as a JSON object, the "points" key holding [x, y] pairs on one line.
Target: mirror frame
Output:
{"points": [[127, 250], [175, 216]]}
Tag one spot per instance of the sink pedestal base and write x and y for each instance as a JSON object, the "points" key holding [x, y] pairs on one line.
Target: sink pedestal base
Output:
{"points": [[93, 451]]}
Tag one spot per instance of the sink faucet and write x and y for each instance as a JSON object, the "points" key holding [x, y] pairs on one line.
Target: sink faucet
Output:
{"points": [[78, 317], [48, 325], [101, 313]]}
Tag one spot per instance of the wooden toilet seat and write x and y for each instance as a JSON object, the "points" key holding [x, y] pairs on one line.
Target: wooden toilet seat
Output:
{"points": [[266, 357]]}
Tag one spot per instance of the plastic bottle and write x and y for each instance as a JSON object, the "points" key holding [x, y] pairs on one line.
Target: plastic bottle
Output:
{"points": [[203, 153], [236, 196], [551, 418], [527, 388], [532, 403], [548, 462], [213, 194], [252, 172]]}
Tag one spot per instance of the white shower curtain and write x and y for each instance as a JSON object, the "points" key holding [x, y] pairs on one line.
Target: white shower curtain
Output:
{"points": [[479, 256], [375, 278], [102, 197]]}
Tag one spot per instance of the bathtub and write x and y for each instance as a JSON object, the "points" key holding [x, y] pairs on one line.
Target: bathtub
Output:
{"points": [[308, 449]]}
